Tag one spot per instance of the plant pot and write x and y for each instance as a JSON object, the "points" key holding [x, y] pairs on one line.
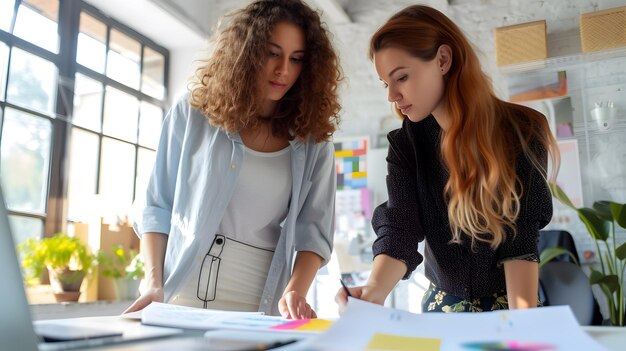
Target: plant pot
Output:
{"points": [[65, 283], [67, 296], [127, 289]]}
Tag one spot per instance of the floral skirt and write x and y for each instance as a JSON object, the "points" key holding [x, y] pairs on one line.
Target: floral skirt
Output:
{"points": [[437, 300]]}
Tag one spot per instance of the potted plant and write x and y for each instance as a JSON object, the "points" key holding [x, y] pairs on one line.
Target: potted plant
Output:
{"points": [[66, 258], [601, 221], [125, 268]]}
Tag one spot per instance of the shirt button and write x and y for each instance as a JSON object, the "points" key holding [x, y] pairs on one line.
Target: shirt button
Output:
{"points": [[265, 301], [233, 166]]}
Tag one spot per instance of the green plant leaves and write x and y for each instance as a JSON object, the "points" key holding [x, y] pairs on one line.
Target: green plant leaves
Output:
{"points": [[58, 252], [603, 210], [619, 213], [601, 222], [620, 252], [609, 281], [549, 253], [120, 263], [559, 194], [597, 227]]}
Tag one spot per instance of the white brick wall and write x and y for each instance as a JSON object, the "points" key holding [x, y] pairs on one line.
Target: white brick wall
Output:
{"points": [[364, 99]]}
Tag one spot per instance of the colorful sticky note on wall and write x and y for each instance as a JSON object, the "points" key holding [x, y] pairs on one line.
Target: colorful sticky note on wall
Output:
{"points": [[391, 342], [350, 163]]}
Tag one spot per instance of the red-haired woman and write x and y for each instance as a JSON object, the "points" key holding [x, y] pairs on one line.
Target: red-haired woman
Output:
{"points": [[239, 211], [467, 174]]}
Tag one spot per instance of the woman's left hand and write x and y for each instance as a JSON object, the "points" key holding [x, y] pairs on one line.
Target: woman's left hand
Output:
{"points": [[294, 306]]}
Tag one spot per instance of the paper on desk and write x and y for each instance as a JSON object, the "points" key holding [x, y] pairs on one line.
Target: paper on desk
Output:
{"points": [[198, 318], [366, 326], [168, 315], [132, 315]]}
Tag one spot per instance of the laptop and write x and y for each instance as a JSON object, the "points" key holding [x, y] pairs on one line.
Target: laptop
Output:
{"points": [[16, 326]]}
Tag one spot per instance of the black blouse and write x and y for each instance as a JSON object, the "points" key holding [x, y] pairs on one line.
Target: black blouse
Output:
{"points": [[417, 210]]}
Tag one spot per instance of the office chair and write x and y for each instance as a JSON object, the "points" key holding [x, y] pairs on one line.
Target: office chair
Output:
{"points": [[562, 238], [566, 284]]}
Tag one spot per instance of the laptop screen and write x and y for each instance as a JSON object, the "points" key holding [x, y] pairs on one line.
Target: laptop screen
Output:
{"points": [[16, 328]]}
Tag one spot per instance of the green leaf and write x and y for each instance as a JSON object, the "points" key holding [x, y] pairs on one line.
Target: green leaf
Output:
{"points": [[603, 210], [550, 253], [620, 252], [57, 252], [619, 213], [598, 228], [609, 281], [595, 276], [560, 195]]}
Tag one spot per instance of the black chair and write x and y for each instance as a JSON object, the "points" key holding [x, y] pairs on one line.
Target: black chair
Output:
{"points": [[563, 282], [562, 238]]}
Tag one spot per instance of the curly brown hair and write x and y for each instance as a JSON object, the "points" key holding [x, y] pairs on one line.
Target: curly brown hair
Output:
{"points": [[225, 88]]}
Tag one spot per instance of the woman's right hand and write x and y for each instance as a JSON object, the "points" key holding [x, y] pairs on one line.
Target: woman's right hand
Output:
{"points": [[366, 293], [149, 296]]}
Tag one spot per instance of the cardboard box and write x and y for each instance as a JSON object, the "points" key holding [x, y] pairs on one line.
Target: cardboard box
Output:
{"points": [[521, 43], [602, 30]]}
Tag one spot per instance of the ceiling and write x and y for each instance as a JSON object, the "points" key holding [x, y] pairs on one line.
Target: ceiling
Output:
{"points": [[188, 23]]}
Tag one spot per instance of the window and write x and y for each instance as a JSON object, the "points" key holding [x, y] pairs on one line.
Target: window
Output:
{"points": [[6, 14], [150, 119], [87, 103], [32, 81], [153, 71], [91, 51], [121, 111], [25, 227], [82, 189], [117, 176], [123, 59], [4, 66], [145, 161], [25, 160], [90, 121], [36, 22]]}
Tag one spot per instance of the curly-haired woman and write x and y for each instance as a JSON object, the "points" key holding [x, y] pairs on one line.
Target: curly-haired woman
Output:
{"points": [[240, 206]]}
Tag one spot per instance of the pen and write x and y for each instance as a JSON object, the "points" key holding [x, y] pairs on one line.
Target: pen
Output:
{"points": [[345, 288], [262, 347]]}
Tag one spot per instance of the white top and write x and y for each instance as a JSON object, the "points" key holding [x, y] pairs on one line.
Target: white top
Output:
{"points": [[261, 199], [195, 174]]}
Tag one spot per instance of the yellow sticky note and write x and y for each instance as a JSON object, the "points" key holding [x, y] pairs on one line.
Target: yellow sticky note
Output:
{"points": [[390, 342], [343, 153], [315, 325]]}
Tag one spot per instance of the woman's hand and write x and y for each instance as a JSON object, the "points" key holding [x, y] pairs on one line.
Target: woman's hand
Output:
{"points": [[294, 306], [365, 293], [153, 246], [149, 296]]}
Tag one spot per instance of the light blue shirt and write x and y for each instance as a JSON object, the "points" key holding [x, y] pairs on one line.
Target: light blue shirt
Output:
{"points": [[195, 174]]}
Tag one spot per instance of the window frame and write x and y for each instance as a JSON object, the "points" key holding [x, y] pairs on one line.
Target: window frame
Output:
{"points": [[55, 217]]}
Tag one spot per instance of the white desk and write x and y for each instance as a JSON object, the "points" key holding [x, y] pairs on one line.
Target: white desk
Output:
{"points": [[613, 338]]}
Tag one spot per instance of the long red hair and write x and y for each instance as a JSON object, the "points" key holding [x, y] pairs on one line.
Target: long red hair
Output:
{"points": [[485, 135]]}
